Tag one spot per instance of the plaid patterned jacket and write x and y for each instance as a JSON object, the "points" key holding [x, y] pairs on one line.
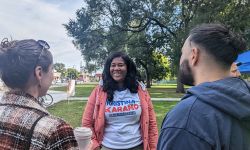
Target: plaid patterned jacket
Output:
{"points": [[18, 112]]}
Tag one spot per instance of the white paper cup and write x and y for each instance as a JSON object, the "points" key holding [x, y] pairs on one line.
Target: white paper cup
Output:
{"points": [[83, 137]]}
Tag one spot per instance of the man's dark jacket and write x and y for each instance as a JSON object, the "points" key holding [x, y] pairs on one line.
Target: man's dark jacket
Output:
{"points": [[211, 116]]}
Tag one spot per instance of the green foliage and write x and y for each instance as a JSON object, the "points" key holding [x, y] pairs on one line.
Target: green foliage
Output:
{"points": [[90, 67], [161, 67], [72, 73], [144, 27], [60, 67]]}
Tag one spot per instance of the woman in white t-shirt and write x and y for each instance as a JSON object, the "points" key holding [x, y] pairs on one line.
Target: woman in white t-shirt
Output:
{"points": [[119, 110]]}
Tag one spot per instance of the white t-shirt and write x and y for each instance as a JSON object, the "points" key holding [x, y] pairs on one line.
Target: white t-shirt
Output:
{"points": [[122, 116]]}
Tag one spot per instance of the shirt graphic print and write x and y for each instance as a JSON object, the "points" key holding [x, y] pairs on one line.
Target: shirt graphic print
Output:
{"points": [[122, 121]]}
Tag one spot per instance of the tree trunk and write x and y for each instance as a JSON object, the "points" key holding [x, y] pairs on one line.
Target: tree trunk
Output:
{"points": [[148, 79], [180, 86]]}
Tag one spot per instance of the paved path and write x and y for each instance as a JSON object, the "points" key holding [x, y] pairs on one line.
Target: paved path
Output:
{"points": [[59, 96]]}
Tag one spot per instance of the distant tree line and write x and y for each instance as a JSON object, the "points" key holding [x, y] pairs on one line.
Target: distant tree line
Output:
{"points": [[150, 31], [69, 73]]}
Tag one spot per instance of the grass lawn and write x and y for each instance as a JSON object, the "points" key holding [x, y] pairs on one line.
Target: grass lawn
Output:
{"points": [[84, 90], [61, 88], [156, 91], [72, 111]]}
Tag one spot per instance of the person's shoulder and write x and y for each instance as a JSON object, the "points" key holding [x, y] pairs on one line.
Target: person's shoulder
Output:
{"points": [[142, 86], [59, 133], [53, 123], [179, 115], [97, 88]]}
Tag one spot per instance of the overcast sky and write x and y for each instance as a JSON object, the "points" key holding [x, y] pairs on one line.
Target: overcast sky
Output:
{"points": [[42, 19]]}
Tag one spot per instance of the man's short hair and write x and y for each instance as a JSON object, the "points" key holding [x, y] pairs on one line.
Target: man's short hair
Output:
{"points": [[218, 41]]}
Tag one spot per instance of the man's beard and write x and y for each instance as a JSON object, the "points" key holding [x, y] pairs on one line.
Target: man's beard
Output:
{"points": [[185, 74]]}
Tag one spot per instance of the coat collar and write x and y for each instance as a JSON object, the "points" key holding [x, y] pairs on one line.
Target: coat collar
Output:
{"points": [[22, 99]]}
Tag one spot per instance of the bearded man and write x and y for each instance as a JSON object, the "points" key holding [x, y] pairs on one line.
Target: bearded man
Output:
{"points": [[215, 113]]}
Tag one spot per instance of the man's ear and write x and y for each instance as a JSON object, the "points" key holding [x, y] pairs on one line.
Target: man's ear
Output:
{"points": [[38, 73], [195, 54]]}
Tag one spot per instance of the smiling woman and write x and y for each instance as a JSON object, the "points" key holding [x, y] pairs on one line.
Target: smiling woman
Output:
{"points": [[118, 71], [121, 107]]}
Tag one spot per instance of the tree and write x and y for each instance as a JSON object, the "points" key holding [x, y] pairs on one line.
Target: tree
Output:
{"points": [[147, 26], [60, 67], [90, 68], [139, 48], [160, 67], [106, 26], [72, 73]]}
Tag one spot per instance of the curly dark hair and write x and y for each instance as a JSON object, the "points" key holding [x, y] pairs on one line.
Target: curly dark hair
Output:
{"points": [[130, 82]]}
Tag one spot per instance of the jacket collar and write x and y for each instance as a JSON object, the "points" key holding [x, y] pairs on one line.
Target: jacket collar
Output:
{"points": [[21, 99]]}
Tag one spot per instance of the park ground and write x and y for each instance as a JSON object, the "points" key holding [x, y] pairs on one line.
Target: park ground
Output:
{"points": [[66, 109]]}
